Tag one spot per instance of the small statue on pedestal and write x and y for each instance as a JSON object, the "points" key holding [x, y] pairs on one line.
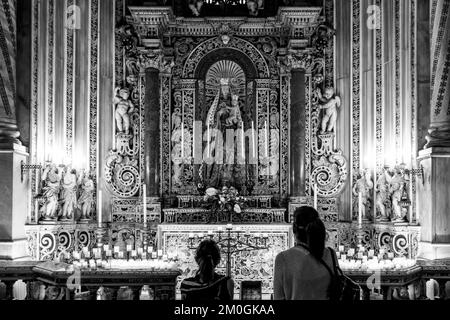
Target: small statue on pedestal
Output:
{"points": [[123, 108], [86, 200], [69, 193], [52, 184], [363, 186], [396, 188], [382, 195], [330, 103]]}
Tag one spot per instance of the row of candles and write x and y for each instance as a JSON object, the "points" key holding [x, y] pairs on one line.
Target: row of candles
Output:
{"points": [[131, 259], [366, 260]]}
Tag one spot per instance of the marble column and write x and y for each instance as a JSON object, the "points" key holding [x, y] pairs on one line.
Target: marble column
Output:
{"points": [[13, 206], [439, 131], [8, 123], [297, 132], [434, 191], [152, 132]]}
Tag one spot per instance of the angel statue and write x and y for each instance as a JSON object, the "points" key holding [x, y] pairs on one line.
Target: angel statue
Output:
{"points": [[51, 178], [330, 103], [86, 200], [363, 186], [69, 185], [123, 108], [382, 194], [396, 188]]}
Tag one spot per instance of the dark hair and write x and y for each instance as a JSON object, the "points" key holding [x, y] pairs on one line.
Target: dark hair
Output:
{"points": [[310, 229], [207, 258]]}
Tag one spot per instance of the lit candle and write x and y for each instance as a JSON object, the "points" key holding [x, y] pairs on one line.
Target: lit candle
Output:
{"points": [[316, 191], [253, 140], [430, 289], [99, 213], [360, 206], [209, 141], [114, 128], [144, 204], [266, 139], [411, 196], [243, 141], [182, 141]]}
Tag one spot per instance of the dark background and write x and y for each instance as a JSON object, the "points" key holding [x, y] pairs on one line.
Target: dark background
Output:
{"points": [[181, 8]]}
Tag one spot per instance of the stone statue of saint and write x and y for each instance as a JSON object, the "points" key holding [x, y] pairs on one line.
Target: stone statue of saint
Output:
{"points": [[123, 108], [330, 103], [52, 183], [396, 188], [69, 185], [86, 200], [364, 185], [382, 195]]}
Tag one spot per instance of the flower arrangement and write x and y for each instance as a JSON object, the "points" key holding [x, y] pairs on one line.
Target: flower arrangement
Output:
{"points": [[225, 200]]}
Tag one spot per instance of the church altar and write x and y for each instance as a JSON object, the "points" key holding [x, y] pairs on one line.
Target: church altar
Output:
{"points": [[220, 103], [256, 266]]}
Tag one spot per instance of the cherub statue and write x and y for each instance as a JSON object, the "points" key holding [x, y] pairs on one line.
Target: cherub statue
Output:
{"points": [[363, 185], [51, 178], [196, 7], [330, 103], [396, 188], [86, 200], [382, 194], [123, 108], [69, 185]]}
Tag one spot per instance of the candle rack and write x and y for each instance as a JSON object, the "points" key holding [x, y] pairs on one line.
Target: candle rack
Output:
{"points": [[231, 242]]}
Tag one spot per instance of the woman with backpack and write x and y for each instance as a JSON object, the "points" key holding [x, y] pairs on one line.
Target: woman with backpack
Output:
{"points": [[308, 271]]}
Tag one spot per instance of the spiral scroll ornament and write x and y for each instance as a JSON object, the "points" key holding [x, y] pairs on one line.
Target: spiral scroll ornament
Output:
{"points": [[47, 246], [84, 239], [65, 241], [122, 175], [400, 244]]}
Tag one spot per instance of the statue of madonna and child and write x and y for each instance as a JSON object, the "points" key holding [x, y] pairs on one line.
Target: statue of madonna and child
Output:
{"points": [[225, 163]]}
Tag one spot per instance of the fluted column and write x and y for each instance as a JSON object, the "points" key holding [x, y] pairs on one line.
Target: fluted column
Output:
{"points": [[8, 124], [439, 131]]}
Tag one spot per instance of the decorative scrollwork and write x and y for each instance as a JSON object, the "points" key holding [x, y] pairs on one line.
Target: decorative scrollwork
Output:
{"points": [[122, 175], [47, 245]]}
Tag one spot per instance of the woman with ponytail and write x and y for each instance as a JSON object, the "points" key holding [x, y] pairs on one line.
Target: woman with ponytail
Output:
{"points": [[207, 284], [301, 273]]}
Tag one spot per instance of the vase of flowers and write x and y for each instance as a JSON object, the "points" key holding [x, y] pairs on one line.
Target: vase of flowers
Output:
{"points": [[225, 200]]}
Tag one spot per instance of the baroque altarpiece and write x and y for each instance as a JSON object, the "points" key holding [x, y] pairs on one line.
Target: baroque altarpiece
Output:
{"points": [[173, 75]]}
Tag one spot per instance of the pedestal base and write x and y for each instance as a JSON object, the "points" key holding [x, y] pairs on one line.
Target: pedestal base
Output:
{"points": [[14, 250], [434, 203], [13, 201], [430, 251]]}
